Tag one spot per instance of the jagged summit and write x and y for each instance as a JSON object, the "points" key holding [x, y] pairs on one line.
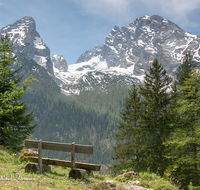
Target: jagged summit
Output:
{"points": [[18, 30], [140, 42], [22, 33], [25, 21]]}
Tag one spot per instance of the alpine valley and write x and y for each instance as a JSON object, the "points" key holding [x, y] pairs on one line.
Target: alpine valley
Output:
{"points": [[81, 102]]}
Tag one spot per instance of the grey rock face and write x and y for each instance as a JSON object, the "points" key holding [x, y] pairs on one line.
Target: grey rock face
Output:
{"points": [[59, 63], [140, 42], [95, 51], [22, 33]]}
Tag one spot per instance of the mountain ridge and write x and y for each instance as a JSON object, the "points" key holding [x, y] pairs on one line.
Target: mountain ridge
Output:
{"points": [[126, 53]]}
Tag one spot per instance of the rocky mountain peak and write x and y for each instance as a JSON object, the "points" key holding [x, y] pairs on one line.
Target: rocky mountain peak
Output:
{"points": [[89, 54], [136, 45], [22, 33]]}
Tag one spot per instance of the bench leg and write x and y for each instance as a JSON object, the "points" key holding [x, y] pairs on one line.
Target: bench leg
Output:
{"points": [[79, 173], [34, 168]]}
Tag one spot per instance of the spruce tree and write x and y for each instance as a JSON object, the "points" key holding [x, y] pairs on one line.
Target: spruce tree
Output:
{"points": [[157, 116], [15, 122], [184, 71], [185, 143], [129, 137]]}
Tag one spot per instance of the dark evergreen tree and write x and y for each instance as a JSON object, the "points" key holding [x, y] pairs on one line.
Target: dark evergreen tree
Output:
{"points": [[185, 70], [129, 139], [184, 142], [15, 123], [157, 117]]}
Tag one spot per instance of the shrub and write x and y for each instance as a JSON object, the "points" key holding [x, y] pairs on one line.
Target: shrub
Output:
{"points": [[25, 154]]}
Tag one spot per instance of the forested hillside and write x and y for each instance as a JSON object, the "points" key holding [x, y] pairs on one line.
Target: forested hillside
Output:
{"points": [[88, 118]]}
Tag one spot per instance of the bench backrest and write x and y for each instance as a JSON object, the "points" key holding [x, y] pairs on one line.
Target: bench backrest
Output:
{"points": [[84, 149]]}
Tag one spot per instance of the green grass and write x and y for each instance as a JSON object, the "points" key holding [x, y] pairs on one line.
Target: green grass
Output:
{"points": [[13, 176]]}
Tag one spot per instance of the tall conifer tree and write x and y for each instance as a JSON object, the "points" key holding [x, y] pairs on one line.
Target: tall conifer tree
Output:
{"points": [[129, 138], [157, 117], [184, 141], [15, 122]]}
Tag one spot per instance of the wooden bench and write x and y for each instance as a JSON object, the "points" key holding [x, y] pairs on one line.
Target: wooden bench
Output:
{"points": [[83, 168]]}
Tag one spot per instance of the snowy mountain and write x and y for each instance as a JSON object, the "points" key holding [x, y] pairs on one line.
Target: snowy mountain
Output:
{"points": [[129, 50], [142, 41], [123, 58]]}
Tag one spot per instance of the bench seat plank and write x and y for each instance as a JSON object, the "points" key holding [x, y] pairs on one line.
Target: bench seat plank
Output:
{"points": [[64, 163]]}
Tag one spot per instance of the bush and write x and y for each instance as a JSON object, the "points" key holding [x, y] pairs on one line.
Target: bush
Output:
{"points": [[25, 154]]}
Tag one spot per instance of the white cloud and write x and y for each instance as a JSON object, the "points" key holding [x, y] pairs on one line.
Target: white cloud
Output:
{"points": [[177, 10], [109, 9], [127, 10]]}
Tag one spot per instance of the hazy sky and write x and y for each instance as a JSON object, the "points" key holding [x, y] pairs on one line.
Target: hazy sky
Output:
{"points": [[71, 27]]}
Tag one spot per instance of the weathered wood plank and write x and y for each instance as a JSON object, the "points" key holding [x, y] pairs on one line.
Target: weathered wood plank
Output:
{"points": [[51, 161], [64, 163], [31, 144], [85, 149]]}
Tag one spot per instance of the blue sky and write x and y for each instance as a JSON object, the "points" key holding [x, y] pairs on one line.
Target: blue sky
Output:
{"points": [[71, 27]]}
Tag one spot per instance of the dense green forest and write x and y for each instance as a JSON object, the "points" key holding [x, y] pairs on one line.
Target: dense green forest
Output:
{"points": [[88, 118]]}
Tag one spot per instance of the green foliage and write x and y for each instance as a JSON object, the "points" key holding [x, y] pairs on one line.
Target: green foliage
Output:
{"points": [[5, 157], [100, 186], [15, 122], [97, 176], [86, 178], [155, 182], [184, 141], [190, 187], [125, 180]]}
